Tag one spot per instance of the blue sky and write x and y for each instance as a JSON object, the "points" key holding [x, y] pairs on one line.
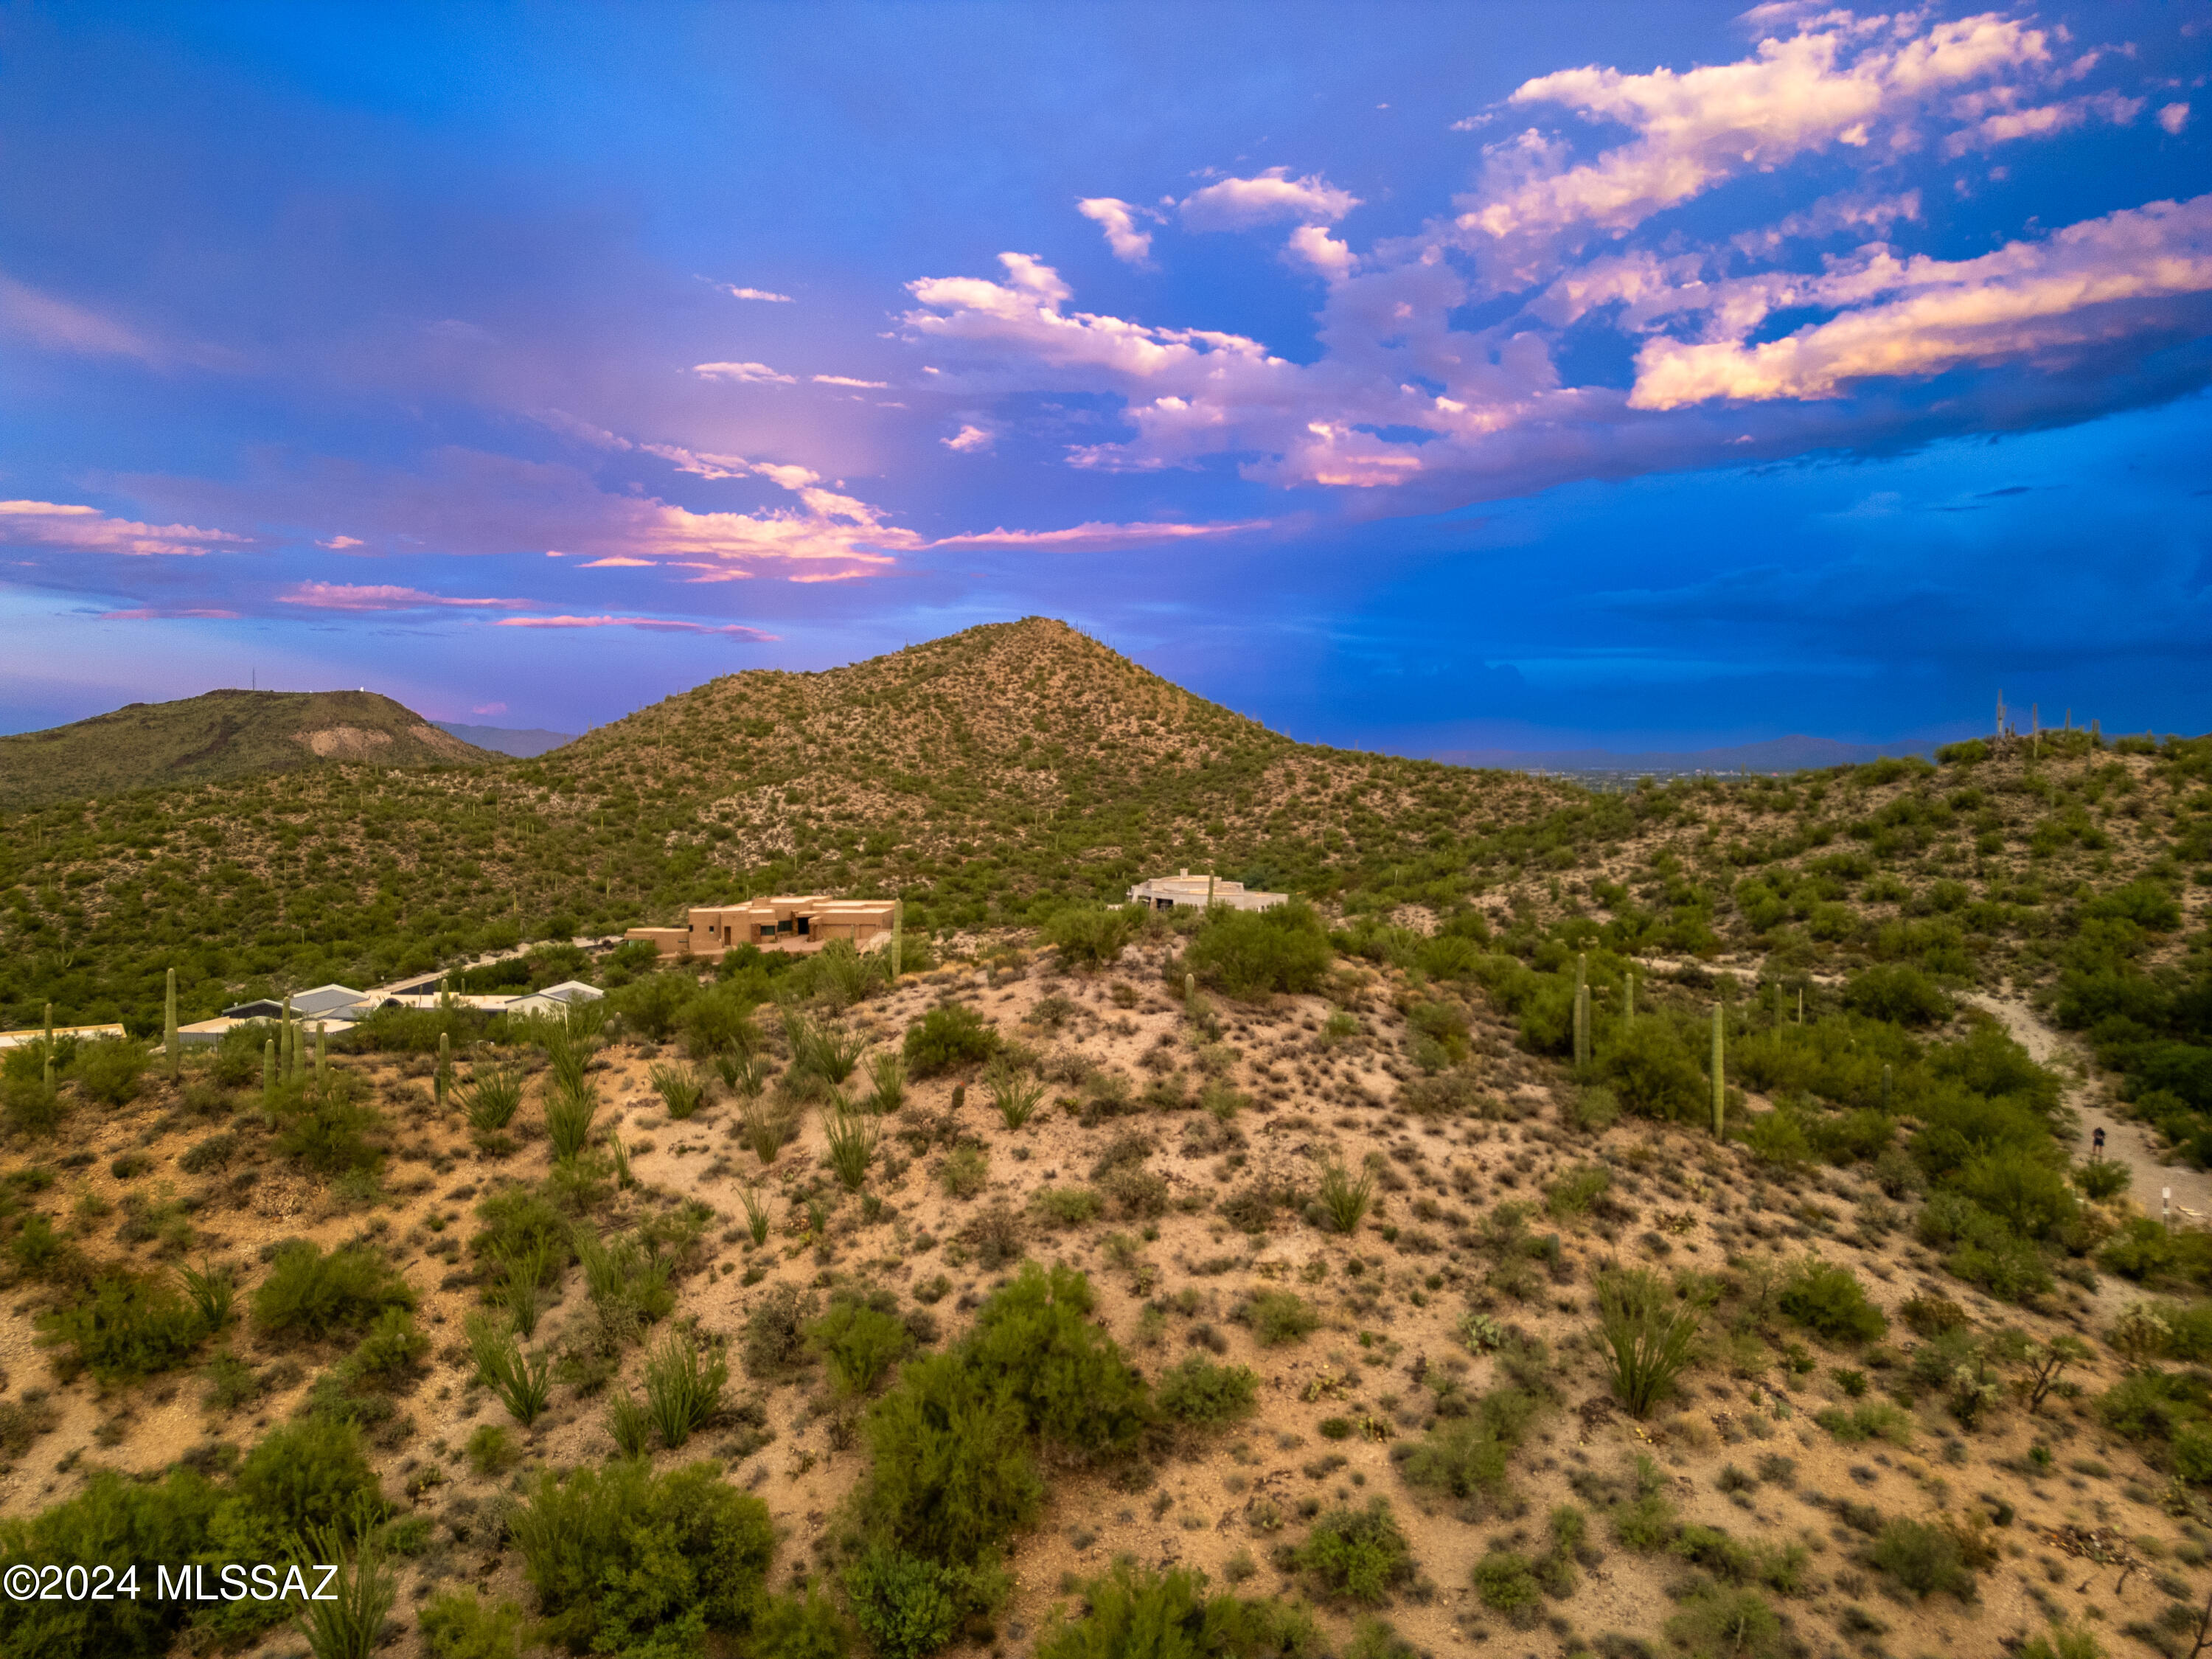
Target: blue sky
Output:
{"points": [[1422, 376]]}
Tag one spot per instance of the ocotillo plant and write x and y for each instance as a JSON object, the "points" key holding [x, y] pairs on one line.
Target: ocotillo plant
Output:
{"points": [[169, 1025], [1720, 1077]]}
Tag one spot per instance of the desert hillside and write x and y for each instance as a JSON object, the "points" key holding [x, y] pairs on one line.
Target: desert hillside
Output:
{"points": [[220, 736]]}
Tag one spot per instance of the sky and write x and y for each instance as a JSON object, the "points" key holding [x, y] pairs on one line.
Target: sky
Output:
{"points": [[1418, 377]]}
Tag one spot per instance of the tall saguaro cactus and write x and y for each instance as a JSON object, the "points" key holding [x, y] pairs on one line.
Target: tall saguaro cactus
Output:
{"points": [[1581, 1010], [267, 1066], [169, 1025], [445, 1066], [1720, 1077]]}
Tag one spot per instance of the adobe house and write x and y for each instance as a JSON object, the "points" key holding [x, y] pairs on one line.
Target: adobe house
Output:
{"points": [[801, 924], [1165, 892]]}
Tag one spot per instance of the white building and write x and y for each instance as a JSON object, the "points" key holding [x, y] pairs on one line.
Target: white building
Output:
{"points": [[1165, 892]]}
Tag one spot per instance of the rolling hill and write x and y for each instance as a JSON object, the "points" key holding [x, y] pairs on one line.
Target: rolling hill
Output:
{"points": [[216, 736]]}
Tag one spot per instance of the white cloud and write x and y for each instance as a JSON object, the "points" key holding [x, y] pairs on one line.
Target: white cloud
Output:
{"points": [[736, 293], [1312, 246], [746, 373], [2005, 127], [1823, 87], [63, 527], [971, 438], [1920, 317], [846, 380], [2174, 117], [1240, 203], [1118, 219]]}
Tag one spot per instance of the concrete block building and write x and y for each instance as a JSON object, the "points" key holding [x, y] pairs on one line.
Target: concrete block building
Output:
{"points": [[1165, 892], [799, 924]]}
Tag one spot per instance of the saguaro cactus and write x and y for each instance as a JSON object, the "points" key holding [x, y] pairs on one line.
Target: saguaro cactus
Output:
{"points": [[1627, 997], [268, 1065], [1582, 1009], [1720, 1077], [321, 1053], [445, 1064], [169, 1025], [898, 936]]}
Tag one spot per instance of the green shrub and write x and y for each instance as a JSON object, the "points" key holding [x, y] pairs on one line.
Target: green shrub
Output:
{"points": [[908, 1606], [309, 1297], [1092, 936], [1650, 1066], [1898, 992], [2101, 1178], [1278, 1316], [1034, 1342], [1648, 1338], [491, 1098], [1828, 1300], [623, 1559], [1467, 1457], [1066, 1206], [807, 1626], [128, 1326], [325, 1126], [1133, 1613], [775, 1334], [1923, 1557], [1252, 953], [1719, 1622], [118, 1521], [2026, 1193], [304, 1474], [30, 1107], [860, 1343], [966, 1171], [1199, 1392], [951, 1477], [109, 1070], [1357, 1554], [2064, 1641], [1505, 1583], [521, 1223], [458, 1625], [951, 1036], [491, 1451], [1646, 1520], [850, 1139]]}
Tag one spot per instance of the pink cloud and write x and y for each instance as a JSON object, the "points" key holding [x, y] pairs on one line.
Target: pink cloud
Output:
{"points": [[66, 528], [655, 625], [346, 596], [488, 709], [616, 562], [340, 543]]}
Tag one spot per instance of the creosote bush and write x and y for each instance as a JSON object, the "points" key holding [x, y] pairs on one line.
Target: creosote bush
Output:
{"points": [[951, 1036], [1357, 1555], [1131, 1613], [309, 1297], [1827, 1300], [627, 1560], [1199, 1392]]}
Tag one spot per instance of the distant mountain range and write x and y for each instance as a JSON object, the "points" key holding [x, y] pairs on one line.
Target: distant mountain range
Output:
{"points": [[1790, 754], [523, 745], [220, 735]]}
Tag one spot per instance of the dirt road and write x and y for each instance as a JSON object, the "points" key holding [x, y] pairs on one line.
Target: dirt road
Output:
{"points": [[2126, 1142]]}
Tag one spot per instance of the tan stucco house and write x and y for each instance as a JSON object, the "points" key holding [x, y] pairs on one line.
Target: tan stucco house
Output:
{"points": [[804, 923]]}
